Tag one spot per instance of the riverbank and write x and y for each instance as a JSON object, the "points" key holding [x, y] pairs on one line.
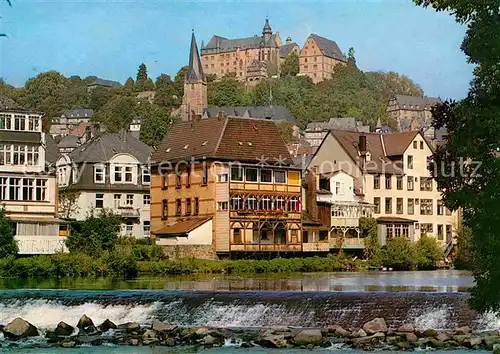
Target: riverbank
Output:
{"points": [[372, 335]]}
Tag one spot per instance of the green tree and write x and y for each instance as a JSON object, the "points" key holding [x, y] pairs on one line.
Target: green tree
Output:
{"points": [[143, 82], [179, 79], [351, 56], [155, 125], [46, 93], [286, 131], [399, 254], [8, 246], [368, 230], [464, 249], [466, 166], [117, 113], [166, 94], [429, 252], [129, 85], [290, 67], [96, 234], [98, 97], [227, 92]]}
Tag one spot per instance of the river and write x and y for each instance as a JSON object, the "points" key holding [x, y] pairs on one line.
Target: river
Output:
{"points": [[434, 299]]}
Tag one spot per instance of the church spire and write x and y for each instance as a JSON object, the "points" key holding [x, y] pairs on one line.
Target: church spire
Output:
{"points": [[195, 71]]}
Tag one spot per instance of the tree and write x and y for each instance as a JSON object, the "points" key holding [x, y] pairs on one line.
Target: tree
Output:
{"points": [[117, 113], [286, 131], [399, 254], [464, 249], [46, 93], [98, 97], [227, 92], [467, 166], [129, 85], [165, 92], [155, 125], [143, 82], [290, 66], [179, 79], [368, 230], [351, 56], [68, 203], [8, 245], [429, 252], [96, 234]]}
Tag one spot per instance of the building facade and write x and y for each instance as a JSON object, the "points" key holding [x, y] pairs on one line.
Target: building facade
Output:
{"points": [[109, 171], [316, 131], [412, 113], [28, 191]]}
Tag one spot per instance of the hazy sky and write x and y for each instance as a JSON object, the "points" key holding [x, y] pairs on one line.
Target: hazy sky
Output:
{"points": [[110, 39]]}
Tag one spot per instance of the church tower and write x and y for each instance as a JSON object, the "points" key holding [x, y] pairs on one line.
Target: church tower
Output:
{"points": [[194, 100]]}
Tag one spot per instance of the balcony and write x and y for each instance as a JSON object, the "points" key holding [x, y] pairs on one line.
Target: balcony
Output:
{"points": [[348, 214], [128, 212], [271, 247], [316, 247], [348, 243]]}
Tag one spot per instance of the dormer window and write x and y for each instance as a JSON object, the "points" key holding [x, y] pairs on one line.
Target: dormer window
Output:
{"points": [[99, 173], [146, 176]]}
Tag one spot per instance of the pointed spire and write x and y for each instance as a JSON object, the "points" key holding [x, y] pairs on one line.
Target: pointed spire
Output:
{"points": [[195, 71], [267, 27]]}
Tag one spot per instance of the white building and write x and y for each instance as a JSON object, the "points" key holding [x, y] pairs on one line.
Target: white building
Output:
{"points": [[28, 189], [109, 171]]}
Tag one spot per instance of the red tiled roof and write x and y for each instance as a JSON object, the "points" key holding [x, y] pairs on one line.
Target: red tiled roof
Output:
{"points": [[397, 143], [182, 227], [230, 138], [80, 130]]}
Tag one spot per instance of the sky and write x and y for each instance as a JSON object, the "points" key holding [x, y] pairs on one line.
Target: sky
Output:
{"points": [[111, 38]]}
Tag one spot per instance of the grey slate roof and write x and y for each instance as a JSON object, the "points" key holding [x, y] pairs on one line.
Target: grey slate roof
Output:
{"points": [[79, 113], [104, 147], [101, 82], [344, 124], [275, 113], [195, 72], [415, 102], [227, 45], [69, 141], [328, 47], [51, 150], [287, 48], [8, 104]]}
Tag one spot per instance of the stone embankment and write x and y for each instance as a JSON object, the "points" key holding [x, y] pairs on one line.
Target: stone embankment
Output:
{"points": [[373, 335]]}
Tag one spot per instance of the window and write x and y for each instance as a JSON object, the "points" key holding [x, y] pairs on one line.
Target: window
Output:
{"points": [[425, 206], [448, 233], [178, 207], [447, 211], [266, 176], [279, 204], [196, 206], [305, 236], [128, 174], [294, 205], [146, 199], [337, 188], [279, 176], [411, 207], [409, 162], [129, 228], [188, 206], [376, 182], [421, 145], [178, 179], [415, 144], [222, 206], [222, 177], [426, 184], [440, 207], [164, 181], [117, 200], [14, 188], [236, 203], [399, 183], [5, 154], [146, 228], [99, 201], [388, 205], [376, 202], [265, 203], [118, 174], [41, 189], [388, 181], [250, 174], [146, 176], [164, 209], [389, 231], [237, 236], [440, 233], [28, 188], [294, 236], [204, 180], [98, 173], [409, 183], [237, 174], [251, 203], [426, 229], [32, 155], [19, 122], [399, 205]]}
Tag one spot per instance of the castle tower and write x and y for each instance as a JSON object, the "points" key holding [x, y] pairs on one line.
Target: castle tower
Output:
{"points": [[267, 32], [194, 100]]}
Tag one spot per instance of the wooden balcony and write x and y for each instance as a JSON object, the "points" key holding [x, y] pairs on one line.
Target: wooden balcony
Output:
{"points": [[259, 214], [316, 247], [345, 222], [348, 243], [272, 247]]}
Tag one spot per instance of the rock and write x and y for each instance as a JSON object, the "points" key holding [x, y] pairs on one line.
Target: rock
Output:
{"points": [[359, 333], [130, 326], [436, 343], [273, 341], [430, 333], [411, 337], [63, 329], [375, 325], [403, 345], [85, 322], [134, 342], [169, 342], [19, 328], [361, 341], [461, 338], [379, 335], [308, 336], [472, 342], [106, 326], [68, 344], [392, 340], [149, 337], [406, 328], [208, 340], [89, 339], [341, 332], [463, 330], [491, 340], [159, 326], [443, 337], [496, 348]]}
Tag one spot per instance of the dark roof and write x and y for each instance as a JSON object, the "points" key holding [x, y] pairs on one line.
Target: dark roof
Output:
{"points": [[396, 144], [20, 137], [106, 83], [69, 141], [390, 219], [287, 49], [104, 147], [8, 104], [235, 139], [346, 124], [195, 72], [51, 150], [328, 47], [79, 113], [227, 45], [416, 102], [182, 227], [275, 113]]}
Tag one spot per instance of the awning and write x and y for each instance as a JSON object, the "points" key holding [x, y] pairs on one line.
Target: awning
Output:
{"points": [[181, 227], [393, 220], [38, 220]]}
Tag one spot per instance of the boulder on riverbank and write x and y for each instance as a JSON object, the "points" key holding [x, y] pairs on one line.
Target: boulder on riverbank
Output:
{"points": [[375, 325], [63, 329], [85, 323], [19, 328]]}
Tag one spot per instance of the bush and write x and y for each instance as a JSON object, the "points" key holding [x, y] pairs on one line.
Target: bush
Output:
{"points": [[8, 246], [121, 263], [428, 252], [464, 255], [399, 254]]}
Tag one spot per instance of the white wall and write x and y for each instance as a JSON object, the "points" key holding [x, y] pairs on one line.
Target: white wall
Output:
{"points": [[202, 235]]}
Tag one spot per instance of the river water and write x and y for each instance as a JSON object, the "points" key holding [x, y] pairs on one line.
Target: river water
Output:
{"points": [[436, 299]]}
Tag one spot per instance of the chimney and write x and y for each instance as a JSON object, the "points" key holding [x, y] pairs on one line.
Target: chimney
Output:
{"points": [[362, 145], [312, 185]]}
